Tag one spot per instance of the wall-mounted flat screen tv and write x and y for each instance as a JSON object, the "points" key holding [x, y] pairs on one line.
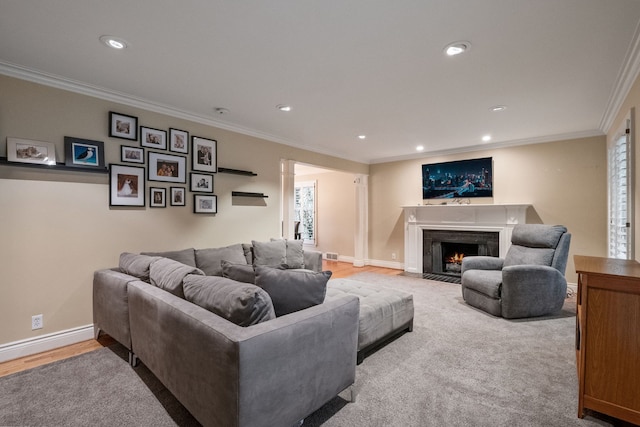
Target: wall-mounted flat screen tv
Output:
{"points": [[458, 179]]}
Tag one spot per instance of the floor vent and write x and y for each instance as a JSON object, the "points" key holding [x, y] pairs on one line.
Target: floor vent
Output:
{"points": [[441, 278], [331, 256]]}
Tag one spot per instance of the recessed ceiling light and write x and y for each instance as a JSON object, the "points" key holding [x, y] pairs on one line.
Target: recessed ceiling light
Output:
{"points": [[497, 108], [362, 136], [486, 138], [283, 107], [456, 48], [420, 148], [114, 42]]}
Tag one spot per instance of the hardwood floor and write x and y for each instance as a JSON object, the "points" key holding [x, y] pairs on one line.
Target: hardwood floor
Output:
{"points": [[339, 269]]}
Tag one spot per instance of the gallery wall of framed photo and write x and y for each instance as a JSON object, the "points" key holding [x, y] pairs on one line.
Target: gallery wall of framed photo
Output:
{"points": [[156, 156]]}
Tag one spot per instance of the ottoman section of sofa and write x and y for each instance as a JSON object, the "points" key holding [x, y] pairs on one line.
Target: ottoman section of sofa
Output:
{"points": [[384, 312]]}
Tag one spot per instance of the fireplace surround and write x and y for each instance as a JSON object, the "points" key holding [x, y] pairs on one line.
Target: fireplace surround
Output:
{"points": [[498, 219]]}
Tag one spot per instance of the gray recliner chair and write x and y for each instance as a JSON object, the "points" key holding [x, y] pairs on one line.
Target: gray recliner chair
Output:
{"points": [[528, 282]]}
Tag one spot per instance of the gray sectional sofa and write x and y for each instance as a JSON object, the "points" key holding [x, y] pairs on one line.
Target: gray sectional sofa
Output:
{"points": [[274, 372]]}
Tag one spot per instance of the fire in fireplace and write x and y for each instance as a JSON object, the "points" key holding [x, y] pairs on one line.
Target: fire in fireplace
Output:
{"points": [[444, 251]]}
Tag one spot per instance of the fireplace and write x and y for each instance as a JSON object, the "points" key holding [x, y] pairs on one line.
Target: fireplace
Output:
{"points": [[443, 251], [494, 218]]}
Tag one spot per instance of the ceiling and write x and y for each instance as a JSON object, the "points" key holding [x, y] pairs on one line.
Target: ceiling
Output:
{"points": [[346, 67]]}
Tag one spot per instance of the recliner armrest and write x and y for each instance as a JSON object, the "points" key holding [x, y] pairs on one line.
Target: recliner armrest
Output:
{"points": [[481, 263], [532, 290]]}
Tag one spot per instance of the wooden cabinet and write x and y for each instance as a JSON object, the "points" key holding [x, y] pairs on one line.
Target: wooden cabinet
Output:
{"points": [[608, 337]]}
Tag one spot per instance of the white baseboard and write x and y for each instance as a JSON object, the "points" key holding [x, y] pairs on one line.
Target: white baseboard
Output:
{"points": [[387, 264], [22, 348]]}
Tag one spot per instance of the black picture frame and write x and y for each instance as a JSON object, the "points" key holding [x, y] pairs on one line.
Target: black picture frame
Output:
{"points": [[131, 154], [178, 196], [157, 197], [153, 138], [123, 126], [83, 153], [204, 154], [200, 182], [126, 186], [178, 141], [205, 204], [167, 167]]}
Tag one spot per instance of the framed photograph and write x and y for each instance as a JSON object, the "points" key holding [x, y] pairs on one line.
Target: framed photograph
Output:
{"points": [[167, 167], [28, 151], [201, 182], [131, 154], [205, 204], [157, 197], [123, 126], [178, 140], [204, 155], [178, 196], [83, 153], [126, 185], [153, 138]]}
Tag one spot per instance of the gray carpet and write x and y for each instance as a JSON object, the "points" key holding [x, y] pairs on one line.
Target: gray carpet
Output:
{"points": [[459, 367]]}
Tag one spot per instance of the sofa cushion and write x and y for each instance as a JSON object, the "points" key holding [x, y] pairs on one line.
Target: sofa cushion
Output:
{"points": [[209, 260], [294, 253], [241, 303], [136, 265], [185, 256], [248, 252], [168, 274], [240, 272], [273, 253], [292, 290]]}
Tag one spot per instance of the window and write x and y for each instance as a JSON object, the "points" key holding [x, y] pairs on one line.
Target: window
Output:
{"points": [[305, 210], [620, 195]]}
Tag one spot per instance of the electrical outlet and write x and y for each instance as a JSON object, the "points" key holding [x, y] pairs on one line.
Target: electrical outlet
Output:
{"points": [[36, 322], [393, 255]]}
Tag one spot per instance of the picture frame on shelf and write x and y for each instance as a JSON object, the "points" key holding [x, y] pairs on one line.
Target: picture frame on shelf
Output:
{"points": [[131, 154], [200, 182], [153, 138], [204, 204], [126, 185], [178, 141], [123, 126], [178, 196], [167, 167], [83, 153], [157, 197], [29, 151], [204, 154]]}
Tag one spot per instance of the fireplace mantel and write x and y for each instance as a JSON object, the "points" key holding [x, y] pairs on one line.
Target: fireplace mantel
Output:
{"points": [[472, 217]]}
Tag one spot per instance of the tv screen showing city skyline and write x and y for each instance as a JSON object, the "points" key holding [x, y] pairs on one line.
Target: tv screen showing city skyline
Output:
{"points": [[458, 179]]}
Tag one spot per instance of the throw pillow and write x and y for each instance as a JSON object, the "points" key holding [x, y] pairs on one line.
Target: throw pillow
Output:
{"points": [[292, 290], [272, 253], [294, 253], [168, 274], [185, 256], [136, 265], [241, 303], [209, 260], [240, 272]]}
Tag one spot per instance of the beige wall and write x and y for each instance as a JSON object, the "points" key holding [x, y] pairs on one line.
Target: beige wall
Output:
{"points": [[565, 181], [631, 101], [336, 216], [57, 227]]}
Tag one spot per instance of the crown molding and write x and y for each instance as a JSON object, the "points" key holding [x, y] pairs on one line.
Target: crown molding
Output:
{"points": [[493, 146], [58, 82], [626, 78]]}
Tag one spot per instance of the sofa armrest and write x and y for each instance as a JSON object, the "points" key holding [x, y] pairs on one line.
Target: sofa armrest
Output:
{"points": [[481, 263], [110, 305], [532, 290], [313, 260], [273, 373]]}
